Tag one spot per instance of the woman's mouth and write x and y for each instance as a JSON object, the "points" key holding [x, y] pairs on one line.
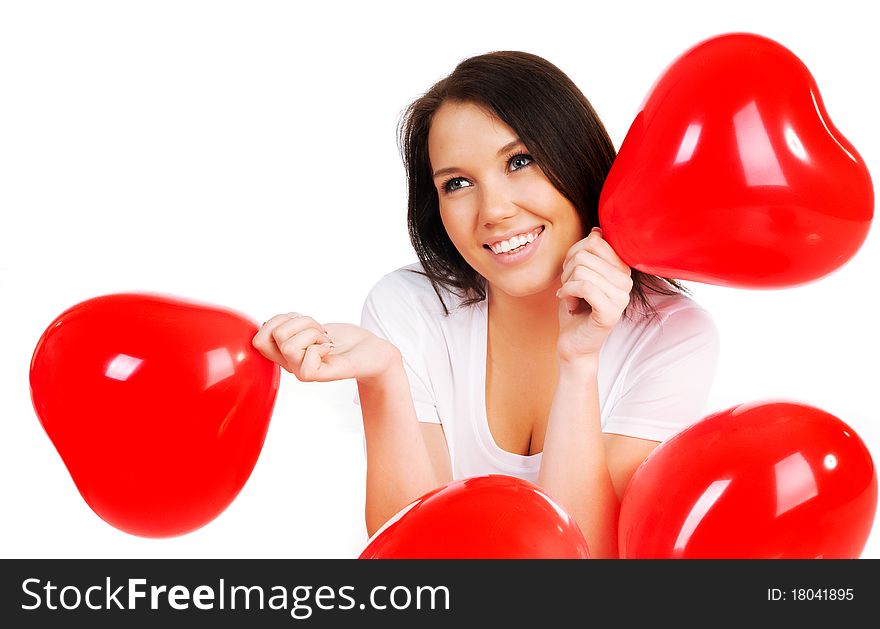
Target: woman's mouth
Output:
{"points": [[517, 248]]}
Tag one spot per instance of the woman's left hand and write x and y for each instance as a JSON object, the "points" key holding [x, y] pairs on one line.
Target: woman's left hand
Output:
{"points": [[593, 273]]}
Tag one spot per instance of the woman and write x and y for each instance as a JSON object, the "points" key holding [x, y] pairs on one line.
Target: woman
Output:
{"points": [[520, 343]]}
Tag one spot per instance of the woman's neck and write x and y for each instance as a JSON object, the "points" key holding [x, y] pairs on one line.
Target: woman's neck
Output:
{"points": [[532, 320]]}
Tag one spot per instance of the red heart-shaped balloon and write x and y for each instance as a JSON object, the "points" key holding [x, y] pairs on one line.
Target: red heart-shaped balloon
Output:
{"points": [[158, 406], [485, 517], [763, 480], [733, 174]]}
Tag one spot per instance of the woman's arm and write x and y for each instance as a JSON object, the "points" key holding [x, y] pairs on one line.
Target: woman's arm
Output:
{"points": [[585, 470], [405, 459], [399, 453], [624, 455], [574, 466]]}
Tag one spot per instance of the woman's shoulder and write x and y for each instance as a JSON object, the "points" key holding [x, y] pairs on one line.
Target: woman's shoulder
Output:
{"points": [[408, 280], [666, 305], [408, 286], [411, 276], [679, 318], [679, 332], [674, 316]]}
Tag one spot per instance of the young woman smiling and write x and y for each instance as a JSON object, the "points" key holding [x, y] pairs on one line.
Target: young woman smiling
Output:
{"points": [[520, 343]]}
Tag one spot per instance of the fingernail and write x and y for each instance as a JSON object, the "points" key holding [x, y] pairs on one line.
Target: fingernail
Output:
{"points": [[557, 292]]}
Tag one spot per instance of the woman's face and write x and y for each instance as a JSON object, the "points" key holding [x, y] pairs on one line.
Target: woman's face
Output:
{"points": [[501, 212]]}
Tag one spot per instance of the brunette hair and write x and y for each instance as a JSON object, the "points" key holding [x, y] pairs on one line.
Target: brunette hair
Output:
{"points": [[553, 119]]}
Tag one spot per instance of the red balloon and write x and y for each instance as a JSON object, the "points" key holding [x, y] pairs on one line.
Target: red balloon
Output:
{"points": [[485, 517], [733, 174], [764, 480], [158, 406]]}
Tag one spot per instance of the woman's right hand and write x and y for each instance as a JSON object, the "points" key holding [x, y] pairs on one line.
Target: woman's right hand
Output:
{"points": [[322, 353]]}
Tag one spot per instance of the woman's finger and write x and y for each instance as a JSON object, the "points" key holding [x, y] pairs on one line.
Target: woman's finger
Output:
{"points": [[589, 259], [293, 325], [312, 361], [290, 328], [293, 349], [597, 244], [265, 343], [612, 292], [605, 313]]}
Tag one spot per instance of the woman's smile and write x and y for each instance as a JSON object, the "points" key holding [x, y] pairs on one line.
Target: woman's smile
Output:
{"points": [[516, 249]]}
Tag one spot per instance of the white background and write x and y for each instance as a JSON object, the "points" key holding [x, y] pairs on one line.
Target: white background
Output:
{"points": [[244, 154]]}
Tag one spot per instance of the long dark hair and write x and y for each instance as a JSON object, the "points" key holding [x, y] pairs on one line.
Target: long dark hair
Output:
{"points": [[562, 132]]}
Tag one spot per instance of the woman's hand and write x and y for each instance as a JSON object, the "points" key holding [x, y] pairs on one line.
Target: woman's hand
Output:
{"points": [[594, 273], [322, 353]]}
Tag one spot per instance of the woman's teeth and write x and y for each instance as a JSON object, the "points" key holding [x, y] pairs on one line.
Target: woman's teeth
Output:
{"points": [[516, 243]]}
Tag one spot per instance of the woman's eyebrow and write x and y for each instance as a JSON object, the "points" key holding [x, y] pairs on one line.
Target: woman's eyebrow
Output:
{"points": [[508, 146], [504, 149]]}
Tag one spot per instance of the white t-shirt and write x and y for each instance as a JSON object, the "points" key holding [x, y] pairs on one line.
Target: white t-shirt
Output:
{"points": [[654, 376]]}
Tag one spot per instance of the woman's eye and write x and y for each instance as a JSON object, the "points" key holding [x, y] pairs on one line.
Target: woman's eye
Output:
{"points": [[456, 183], [519, 161]]}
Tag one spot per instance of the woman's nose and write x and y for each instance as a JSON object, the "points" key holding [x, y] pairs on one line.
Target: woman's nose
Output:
{"points": [[495, 205]]}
